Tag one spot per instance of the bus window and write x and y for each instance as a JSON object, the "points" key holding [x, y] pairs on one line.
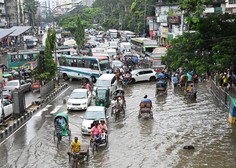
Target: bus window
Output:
{"points": [[94, 64], [25, 57], [87, 63], [80, 63], [13, 58]]}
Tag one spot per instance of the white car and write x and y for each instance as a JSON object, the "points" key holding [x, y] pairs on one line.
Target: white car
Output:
{"points": [[79, 99], [8, 107], [92, 113], [143, 75]]}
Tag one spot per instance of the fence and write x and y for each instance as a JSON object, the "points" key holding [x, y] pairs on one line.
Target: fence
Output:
{"points": [[220, 94], [47, 89]]}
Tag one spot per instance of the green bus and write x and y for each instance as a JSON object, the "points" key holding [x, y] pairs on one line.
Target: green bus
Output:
{"points": [[142, 45], [27, 58], [21, 58]]}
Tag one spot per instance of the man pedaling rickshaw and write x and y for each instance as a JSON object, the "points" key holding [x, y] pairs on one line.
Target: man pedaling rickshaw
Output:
{"points": [[96, 132], [75, 148]]}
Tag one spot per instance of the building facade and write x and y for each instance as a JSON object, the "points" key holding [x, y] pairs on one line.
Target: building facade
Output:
{"points": [[14, 10], [3, 22]]}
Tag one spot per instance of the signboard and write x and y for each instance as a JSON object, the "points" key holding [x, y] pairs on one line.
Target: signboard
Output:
{"points": [[163, 18], [174, 19], [164, 32]]}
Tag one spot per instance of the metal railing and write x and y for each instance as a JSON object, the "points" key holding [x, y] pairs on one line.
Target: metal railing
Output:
{"points": [[47, 89], [220, 94]]}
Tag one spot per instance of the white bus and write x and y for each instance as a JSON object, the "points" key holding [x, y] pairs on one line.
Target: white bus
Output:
{"points": [[83, 67], [113, 33]]}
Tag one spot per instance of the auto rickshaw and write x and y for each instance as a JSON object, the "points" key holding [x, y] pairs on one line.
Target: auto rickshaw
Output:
{"points": [[61, 124], [102, 97], [161, 87], [145, 108]]}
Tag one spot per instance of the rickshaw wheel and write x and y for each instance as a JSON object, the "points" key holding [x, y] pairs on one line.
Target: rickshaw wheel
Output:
{"points": [[58, 142], [116, 116], [139, 116], [69, 134], [93, 148], [54, 136], [106, 140], [87, 155], [112, 109]]}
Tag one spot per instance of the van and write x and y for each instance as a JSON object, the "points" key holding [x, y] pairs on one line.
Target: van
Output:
{"points": [[107, 80]]}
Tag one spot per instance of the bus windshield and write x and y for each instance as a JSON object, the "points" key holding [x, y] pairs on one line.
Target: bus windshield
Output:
{"points": [[104, 65]]}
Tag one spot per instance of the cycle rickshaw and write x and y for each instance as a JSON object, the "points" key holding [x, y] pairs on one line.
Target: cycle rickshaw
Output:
{"points": [[61, 124]]}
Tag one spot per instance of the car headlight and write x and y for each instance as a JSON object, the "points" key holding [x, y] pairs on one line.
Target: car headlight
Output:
{"points": [[69, 103], [84, 103], [84, 127]]}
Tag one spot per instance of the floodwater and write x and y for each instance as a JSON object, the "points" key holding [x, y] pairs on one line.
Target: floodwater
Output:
{"points": [[134, 142]]}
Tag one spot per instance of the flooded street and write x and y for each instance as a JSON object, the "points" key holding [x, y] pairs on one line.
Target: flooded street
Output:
{"points": [[133, 142]]}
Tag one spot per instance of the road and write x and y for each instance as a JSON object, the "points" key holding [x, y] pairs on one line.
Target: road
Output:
{"points": [[133, 143]]}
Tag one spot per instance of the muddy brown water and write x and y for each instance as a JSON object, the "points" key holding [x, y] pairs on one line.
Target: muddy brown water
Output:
{"points": [[134, 142]]}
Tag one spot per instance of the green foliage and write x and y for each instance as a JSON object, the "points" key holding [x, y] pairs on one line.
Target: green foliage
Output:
{"points": [[125, 14], [50, 67], [212, 46], [75, 25]]}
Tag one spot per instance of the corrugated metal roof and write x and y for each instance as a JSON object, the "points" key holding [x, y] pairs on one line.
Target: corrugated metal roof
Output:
{"points": [[5, 32], [18, 30]]}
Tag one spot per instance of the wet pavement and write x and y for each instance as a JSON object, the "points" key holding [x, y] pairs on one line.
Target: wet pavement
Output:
{"points": [[133, 142]]}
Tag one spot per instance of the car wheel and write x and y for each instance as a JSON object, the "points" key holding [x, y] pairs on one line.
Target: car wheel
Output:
{"points": [[65, 77], [133, 80], [152, 79]]}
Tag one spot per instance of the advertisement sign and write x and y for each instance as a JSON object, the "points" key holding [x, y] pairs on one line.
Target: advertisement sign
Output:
{"points": [[164, 32]]}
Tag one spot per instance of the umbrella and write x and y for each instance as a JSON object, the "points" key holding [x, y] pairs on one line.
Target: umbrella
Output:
{"points": [[70, 42]]}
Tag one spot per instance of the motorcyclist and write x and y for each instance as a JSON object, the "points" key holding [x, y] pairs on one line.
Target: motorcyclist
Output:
{"points": [[145, 99]]}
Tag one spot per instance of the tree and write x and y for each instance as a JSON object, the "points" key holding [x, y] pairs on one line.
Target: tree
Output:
{"points": [[47, 68], [210, 47], [74, 25], [30, 7]]}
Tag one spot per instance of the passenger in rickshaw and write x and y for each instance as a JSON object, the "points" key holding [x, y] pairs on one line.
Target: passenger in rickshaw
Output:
{"points": [[61, 121], [96, 132], [145, 99], [103, 126]]}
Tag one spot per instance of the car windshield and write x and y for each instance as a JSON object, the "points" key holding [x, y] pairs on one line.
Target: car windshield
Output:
{"points": [[78, 95], [104, 65], [12, 84], [101, 94], [94, 115], [103, 83], [116, 63]]}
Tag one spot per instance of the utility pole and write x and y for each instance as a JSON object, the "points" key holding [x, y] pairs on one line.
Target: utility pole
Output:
{"points": [[145, 15]]}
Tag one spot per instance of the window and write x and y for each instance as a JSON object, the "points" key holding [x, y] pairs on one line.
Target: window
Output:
{"points": [[232, 1], [113, 80], [148, 72]]}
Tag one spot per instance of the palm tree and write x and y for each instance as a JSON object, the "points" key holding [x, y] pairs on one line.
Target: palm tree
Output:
{"points": [[30, 7]]}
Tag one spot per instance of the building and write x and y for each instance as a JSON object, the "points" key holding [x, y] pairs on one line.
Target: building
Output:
{"points": [[171, 22], [3, 22], [14, 12], [88, 3]]}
